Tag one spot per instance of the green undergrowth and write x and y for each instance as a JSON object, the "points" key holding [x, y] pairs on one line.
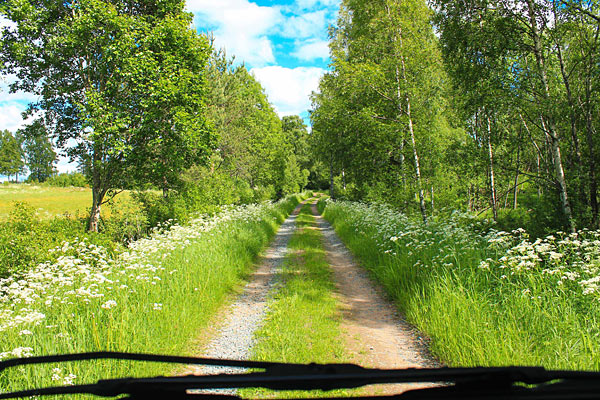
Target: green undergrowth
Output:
{"points": [[158, 303], [302, 325], [477, 307]]}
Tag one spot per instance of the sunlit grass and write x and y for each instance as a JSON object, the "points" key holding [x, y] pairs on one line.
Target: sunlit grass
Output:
{"points": [[483, 298], [49, 201]]}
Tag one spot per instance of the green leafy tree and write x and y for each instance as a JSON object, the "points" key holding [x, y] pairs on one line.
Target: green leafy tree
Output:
{"points": [[296, 134], [39, 154], [251, 146], [11, 155], [102, 74], [172, 102], [384, 101]]}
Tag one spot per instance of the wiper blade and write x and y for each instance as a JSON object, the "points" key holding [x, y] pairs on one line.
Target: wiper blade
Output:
{"points": [[284, 376], [113, 355]]}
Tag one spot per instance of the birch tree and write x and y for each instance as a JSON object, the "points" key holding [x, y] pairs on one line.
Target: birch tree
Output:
{"points": [[388, 67]]}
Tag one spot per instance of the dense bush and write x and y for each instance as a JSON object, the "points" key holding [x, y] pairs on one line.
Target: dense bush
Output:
{"points": [[25, 239], [201, 192], [67, 179], [126, 222], [539, 216]]}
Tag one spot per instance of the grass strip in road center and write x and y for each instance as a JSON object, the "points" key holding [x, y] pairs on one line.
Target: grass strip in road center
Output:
{"points": [[303, 322]]}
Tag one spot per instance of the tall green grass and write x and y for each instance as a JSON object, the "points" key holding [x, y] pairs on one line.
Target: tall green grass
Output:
{"points": [[156, 302], [476, 314], [302, 325]]}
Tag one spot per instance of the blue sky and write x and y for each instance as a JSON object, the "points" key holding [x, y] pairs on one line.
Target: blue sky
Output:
{"points": [[282, 42]]}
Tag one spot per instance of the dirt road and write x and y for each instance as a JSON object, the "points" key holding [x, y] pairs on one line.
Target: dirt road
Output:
{"points": [[376, 334]]}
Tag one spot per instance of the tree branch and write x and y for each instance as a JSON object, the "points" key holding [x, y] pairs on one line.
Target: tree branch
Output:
{"points": [[381, 94], [386, 119], [112, 195], [570, 4]]}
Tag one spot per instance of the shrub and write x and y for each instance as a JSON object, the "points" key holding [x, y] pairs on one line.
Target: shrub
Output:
{"points": [[67, 179], [127, 221], [262, 193], [539, 216], [25, 240]]}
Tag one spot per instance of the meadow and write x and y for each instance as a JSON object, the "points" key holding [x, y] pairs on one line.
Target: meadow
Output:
{"points": [[484, 297], [50, 201], [156, 295]]}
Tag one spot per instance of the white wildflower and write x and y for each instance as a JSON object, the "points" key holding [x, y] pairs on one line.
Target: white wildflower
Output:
{"points": [[109, 304]]}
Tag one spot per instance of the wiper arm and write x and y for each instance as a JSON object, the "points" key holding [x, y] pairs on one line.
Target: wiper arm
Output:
{"points": [[284, 376]]}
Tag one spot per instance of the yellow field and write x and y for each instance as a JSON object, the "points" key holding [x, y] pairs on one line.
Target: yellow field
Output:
{"points": [[49, 201]]}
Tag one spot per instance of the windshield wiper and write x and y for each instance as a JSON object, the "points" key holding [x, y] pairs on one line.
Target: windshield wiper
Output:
{"points": [[489, 383]]}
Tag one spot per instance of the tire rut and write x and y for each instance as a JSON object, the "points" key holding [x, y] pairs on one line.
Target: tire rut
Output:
{"points": [[376, 334], [235, 337]]}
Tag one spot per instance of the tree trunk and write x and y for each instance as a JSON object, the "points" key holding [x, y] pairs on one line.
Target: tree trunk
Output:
{"points": [[97, 197], [492, 182], [516, 191], [406, 98], [573, 111], [538, 153], [550, 127], [98, 193], [573, 119], [331, 193], [432, 201], [417, 164], [165, 187], [590, 133]]}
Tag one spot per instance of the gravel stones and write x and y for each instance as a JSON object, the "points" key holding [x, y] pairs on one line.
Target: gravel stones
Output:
{"points": [[236, 337]]}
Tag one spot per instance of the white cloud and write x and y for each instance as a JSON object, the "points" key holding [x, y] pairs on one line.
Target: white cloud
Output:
{"points": [[305, 25], [289, 89], [311, 4], [12, 105], [6, 23], [10, 116], [312, 50], [242, 27], [64, 165], [23, 97]]}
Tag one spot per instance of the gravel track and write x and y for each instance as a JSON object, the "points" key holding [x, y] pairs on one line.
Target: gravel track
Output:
{"points": [[235, 339]]}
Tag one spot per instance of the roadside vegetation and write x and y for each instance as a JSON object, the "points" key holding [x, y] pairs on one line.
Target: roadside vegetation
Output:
{"points": [[27, 233], [485, 297], [302, 325], [154, 296]]}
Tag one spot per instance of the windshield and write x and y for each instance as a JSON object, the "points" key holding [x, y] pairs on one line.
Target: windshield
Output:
{"points": [[389, 184]]}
